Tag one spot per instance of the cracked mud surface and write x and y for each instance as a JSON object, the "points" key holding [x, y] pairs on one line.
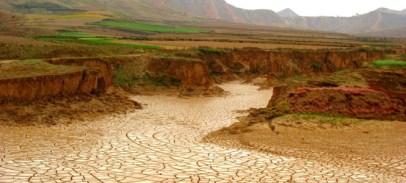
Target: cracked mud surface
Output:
{"points": [[161, 143]]}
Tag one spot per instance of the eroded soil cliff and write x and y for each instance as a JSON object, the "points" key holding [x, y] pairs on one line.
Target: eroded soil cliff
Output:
{"points": [[285, 63], [35, 79]]}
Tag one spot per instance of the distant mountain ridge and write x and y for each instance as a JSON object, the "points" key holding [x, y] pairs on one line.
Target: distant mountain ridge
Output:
{"points": [[376, 21], [287, 13], [221, 10], [380, 20]]}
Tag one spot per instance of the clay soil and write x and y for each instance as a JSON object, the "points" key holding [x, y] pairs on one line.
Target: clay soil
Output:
{"points": [[375, 145]]}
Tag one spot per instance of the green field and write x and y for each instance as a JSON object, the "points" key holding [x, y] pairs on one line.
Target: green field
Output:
{"points": [[146, 27], [86, 38], [389, 64]]}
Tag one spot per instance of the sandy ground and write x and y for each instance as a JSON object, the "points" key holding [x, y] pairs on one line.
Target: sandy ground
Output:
{"points": [[161, 143]]}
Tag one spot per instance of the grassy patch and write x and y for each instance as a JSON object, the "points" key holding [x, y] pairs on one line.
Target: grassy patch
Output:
{"points": [[86, 38], [348, 78], [33, 68], [146, 27], [389, 64], [321, 118]]}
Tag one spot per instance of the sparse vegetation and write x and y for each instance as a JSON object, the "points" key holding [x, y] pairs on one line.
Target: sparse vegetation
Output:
{"points": [[86, 38], [389, 64], [403, 57], [146, 27], [322, 118], [125, 78], [316, 66]]}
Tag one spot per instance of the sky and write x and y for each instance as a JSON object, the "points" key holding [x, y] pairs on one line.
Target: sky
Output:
{"points": [[321, 7]]}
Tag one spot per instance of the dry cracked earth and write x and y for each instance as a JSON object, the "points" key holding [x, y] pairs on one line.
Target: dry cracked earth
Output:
{"points": [[161, 143]]}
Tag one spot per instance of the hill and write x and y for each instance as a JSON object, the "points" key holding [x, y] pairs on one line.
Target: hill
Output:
{"points": [[287, 13], [194, 11]]}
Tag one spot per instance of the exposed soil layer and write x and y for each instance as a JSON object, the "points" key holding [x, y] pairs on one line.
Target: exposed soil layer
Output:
{"points": [[199, 70], [284, 63], [66, 110], [192, 73], [331, 121], [355, 102], [102, 68], [92, 77]]}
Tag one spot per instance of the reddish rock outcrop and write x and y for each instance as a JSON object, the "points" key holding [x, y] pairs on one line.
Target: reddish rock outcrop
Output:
{"points": [[383, 98], [391, 81], [354, 102]]}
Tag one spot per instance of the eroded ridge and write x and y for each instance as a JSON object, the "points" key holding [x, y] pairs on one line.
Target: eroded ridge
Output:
{"points": [[161, 143]]}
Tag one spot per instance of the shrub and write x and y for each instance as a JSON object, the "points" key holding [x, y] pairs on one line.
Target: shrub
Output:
{"points": [[316, 66], [403, 57]]}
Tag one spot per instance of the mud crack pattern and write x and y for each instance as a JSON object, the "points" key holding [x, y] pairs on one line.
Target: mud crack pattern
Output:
{"points": [[161, 143]]}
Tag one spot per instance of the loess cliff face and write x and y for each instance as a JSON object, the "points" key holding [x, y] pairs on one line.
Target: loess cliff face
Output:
{"points": [[93, 78], [191, 73], [99, 72], [39, 87], [286, 63]]}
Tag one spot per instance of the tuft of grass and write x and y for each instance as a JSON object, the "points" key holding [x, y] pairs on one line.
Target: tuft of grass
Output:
{"points": [[389, 64], [145, 27], [123, 78], [90, 39], [316, 66]]}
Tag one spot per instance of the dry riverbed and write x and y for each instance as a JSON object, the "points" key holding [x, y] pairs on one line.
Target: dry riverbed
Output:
{"points": [[161, 143]]}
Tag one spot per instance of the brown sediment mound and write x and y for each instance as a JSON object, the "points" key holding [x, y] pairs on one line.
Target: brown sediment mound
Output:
{"points": [[283, 63], [193, 74], [354, 102]]}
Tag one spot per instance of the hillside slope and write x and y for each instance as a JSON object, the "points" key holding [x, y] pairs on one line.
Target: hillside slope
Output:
{"points": [[221, 10], [376, 21]]}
